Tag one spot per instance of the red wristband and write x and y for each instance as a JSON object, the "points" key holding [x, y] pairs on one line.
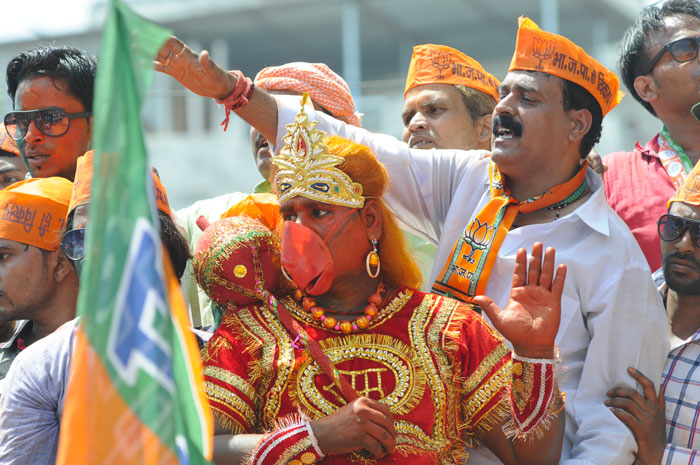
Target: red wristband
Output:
{"points": [[238, 98], [532, 395], [294, 444]]}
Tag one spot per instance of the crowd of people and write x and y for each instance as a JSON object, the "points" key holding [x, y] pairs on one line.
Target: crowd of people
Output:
{"points": [[488, 289]]}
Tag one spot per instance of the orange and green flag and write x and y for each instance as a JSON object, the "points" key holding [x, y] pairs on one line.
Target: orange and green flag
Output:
{"points": [[135, 394]]}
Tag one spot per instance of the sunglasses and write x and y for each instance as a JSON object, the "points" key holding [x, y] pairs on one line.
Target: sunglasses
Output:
{"points": [[53, 121], [681, 50], [673, 227], [73, 244]]}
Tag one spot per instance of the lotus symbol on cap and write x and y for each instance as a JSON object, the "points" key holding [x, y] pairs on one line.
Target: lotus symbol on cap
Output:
{"points": [[542, 50]]}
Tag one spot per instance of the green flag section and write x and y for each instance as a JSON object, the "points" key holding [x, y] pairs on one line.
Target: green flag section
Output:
{"points": [[135, 395]]}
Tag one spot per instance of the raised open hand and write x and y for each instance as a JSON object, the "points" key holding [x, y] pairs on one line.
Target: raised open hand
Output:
{"points": [[530, 321], [196, 72]]}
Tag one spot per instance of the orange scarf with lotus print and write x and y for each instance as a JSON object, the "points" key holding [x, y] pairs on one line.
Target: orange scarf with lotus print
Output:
{"points": [[467, 271]]}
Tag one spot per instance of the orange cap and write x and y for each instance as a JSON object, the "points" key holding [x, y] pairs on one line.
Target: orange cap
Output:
{"points": [[689, 192], [7, 143], [34, 211], [538, 50], [83, 184], [162, 203], [440, 64]]}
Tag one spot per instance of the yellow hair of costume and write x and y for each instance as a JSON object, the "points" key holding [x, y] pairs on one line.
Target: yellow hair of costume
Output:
{"points": [[398, 265]]}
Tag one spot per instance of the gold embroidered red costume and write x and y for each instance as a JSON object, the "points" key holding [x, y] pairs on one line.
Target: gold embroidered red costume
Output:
{"points": [[439, 367], [278, 369]]}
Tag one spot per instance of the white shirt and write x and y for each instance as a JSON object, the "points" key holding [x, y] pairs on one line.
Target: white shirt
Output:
{"points": [[32, 405], [612, 316]]}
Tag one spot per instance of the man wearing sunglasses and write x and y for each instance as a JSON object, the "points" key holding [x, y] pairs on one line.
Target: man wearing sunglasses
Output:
{"points": [[51, 90], [37, 283], [659, 65], [31, 404], [665, 424]]}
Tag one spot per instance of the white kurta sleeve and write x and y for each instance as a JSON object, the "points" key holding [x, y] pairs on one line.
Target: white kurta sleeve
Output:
{"points": [[622, 315], [422, 183]]}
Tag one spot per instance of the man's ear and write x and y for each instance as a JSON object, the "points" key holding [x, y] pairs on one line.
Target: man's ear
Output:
{"points": [[646, 87], [64, 268], [581, 121], [484, 128], [372, 215]]}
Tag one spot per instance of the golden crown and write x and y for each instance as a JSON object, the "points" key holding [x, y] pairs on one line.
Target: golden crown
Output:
{"points": [[305, 169]]}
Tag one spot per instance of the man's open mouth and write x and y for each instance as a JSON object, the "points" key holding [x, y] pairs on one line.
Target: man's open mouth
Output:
{"points": [[504, 133]]}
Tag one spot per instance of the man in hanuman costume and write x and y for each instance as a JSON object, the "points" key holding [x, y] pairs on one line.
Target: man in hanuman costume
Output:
{"points": [[377, 372]]}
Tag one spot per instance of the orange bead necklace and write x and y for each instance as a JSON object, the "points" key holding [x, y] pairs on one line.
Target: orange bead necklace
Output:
{"points": [[346, 326]]}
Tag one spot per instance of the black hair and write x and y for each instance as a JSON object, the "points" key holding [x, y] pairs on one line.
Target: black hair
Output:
{"points": [[75, 67], [575, 97], [634, 48], [477, 103], [174, 241]]}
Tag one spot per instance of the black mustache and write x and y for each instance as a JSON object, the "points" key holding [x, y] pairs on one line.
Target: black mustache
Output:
{"points": [[507, 122]]}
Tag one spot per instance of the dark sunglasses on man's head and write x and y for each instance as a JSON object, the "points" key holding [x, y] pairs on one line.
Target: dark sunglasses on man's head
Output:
{"points": [[73, 243], [672, 228], [682, 50], [53, 121]]}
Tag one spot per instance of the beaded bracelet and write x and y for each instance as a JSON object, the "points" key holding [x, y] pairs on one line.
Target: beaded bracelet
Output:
{"points": [[240, 96]]}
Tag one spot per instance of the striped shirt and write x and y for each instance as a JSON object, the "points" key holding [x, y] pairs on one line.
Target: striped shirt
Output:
{"points": [[681, 384]]}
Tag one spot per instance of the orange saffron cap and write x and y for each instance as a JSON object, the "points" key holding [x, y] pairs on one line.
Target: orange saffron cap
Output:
{"points": [[34, 211], [538, 50], [689, 192], [440, 64], [82, 185], [7, 143]]}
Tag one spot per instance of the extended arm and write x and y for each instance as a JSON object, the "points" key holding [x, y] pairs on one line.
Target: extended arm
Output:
{"points": [[200, 74], [423, 182]]}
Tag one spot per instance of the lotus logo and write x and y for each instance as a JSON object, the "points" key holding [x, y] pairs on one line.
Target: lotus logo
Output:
{"points": [[478, 237], [542, 50], [441, 61]]}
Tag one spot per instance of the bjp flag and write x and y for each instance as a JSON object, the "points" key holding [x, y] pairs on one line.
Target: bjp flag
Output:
{"points": [[135, 394]]}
